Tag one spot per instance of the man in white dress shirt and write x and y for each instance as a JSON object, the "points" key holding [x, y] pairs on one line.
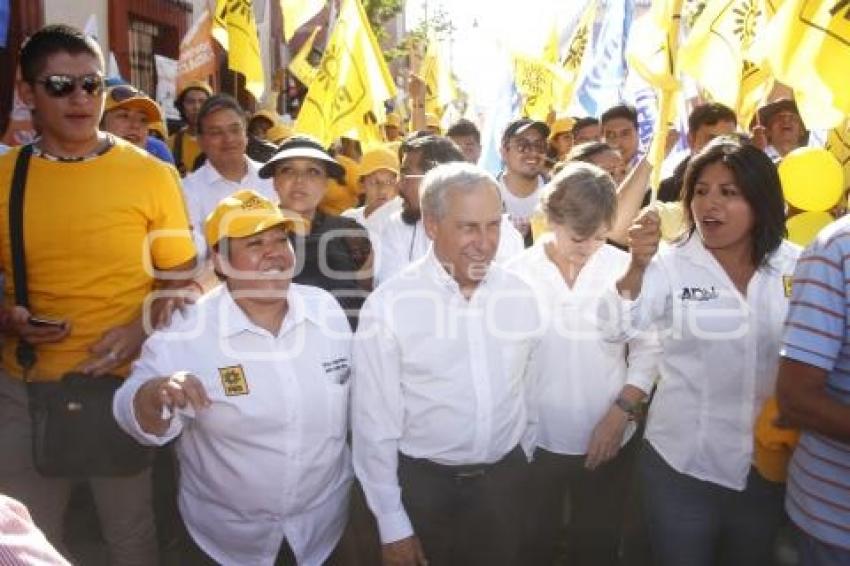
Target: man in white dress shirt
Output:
{"points": [[253, 384], [402, 238], [223, 139], [444, 357]]}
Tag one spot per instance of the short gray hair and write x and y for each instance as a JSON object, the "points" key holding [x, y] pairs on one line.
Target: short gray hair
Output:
{"points": [[581, 196], [449, 177]]}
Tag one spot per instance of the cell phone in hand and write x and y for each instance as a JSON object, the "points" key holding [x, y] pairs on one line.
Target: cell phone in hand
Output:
{"points": [[45, 322]]}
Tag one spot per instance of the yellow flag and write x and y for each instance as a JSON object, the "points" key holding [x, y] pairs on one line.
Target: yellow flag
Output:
{"points": [[653, 56], [440, 89], [809, 51], [347, 96], [236, 30], [296, 13], [567, 78], [536, 81], [838, 142], [719, 39], [533, 78], [300, 66]]}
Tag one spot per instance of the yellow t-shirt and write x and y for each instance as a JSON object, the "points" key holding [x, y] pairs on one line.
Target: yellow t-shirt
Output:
{"points": [[191, 149], [87, 227]]}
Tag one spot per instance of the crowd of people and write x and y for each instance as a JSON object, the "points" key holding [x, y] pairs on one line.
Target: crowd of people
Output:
{"points": [[387, 355]]}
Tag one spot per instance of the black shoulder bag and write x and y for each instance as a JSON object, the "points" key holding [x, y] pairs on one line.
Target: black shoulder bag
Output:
{"points": [[73, 431]]}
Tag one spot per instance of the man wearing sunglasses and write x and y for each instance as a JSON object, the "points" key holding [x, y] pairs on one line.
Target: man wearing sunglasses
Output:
{"points": [[523, 153], [102, 219]]}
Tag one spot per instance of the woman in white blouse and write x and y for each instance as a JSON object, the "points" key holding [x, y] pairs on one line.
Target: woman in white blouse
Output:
{"points": [[586, 395], [717, 299]]}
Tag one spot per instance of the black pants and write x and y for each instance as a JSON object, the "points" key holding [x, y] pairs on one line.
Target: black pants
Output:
{"points": [[596, 508], [192, 555], [466, 515]]}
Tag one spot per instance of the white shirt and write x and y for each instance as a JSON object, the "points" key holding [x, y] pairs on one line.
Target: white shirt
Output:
{"points": [[720, 353], [375, 221], [521, 209], [399, 244], [204, 188], [269, 461], [440, 377], [581, 375]]}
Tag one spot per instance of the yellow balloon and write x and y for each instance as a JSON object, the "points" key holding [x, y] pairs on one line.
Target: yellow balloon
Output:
{"points": [[812, 179], [803, 227]]}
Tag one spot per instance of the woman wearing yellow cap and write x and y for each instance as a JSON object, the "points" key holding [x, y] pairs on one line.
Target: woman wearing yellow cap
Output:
{"points": [[379, 172]]}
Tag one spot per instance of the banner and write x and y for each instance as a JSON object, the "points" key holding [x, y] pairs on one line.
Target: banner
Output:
{"points": [[197, 55], [166, 88]]}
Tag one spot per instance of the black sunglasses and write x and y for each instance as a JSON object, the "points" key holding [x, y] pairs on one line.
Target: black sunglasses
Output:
{"points": [[123, 92], [60, 86]]}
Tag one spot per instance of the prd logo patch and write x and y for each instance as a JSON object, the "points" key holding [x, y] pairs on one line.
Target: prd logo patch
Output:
{"points": [[233, 380], [787, 281]]}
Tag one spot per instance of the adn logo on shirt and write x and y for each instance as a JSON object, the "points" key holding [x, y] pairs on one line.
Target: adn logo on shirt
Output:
{"points": [[698, 294], [233, 380]]}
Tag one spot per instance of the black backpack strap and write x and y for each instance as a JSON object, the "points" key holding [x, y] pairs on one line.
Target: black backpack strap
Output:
{"points": [[25, 353], [178, 152]]}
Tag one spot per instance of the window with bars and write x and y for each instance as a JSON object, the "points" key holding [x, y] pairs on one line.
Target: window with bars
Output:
{"points": [[143, 36]]}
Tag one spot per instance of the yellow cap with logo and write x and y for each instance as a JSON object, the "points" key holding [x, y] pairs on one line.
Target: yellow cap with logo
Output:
{"points": [[243, 214]]}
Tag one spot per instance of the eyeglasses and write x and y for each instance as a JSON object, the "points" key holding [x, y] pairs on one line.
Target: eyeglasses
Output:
{"points": [[410, 177], [525, 146], [123, 92], [378, 183], [60, 86]]}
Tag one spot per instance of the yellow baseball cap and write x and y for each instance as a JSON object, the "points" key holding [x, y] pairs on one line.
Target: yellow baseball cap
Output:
{"points": [[278, 133], [243, 214], [393, 119], [560, 126], [269, 115], [127, 96], [377, 159], [432, 121]]}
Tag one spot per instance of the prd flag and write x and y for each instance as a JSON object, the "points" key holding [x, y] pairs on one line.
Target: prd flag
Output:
{"points": [[838, 142], [809, 51], [440, 89], [296, 13], [579, 45], [300, 65], [652, 53], [236, 30], [535, 79], [347, 96], [721, 36]]}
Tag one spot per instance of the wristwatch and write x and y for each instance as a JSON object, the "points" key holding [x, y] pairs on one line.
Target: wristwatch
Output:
{"points": [[632, 409]]}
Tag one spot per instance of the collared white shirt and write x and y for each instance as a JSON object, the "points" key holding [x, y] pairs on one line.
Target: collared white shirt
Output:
{"points": [[719, 356], [204, 188], [269, 460], [440, 377], [581, 375], [399, 244]]}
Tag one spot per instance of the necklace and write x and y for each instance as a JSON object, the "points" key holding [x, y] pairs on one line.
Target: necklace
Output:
{"points": [[101, 148]]}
